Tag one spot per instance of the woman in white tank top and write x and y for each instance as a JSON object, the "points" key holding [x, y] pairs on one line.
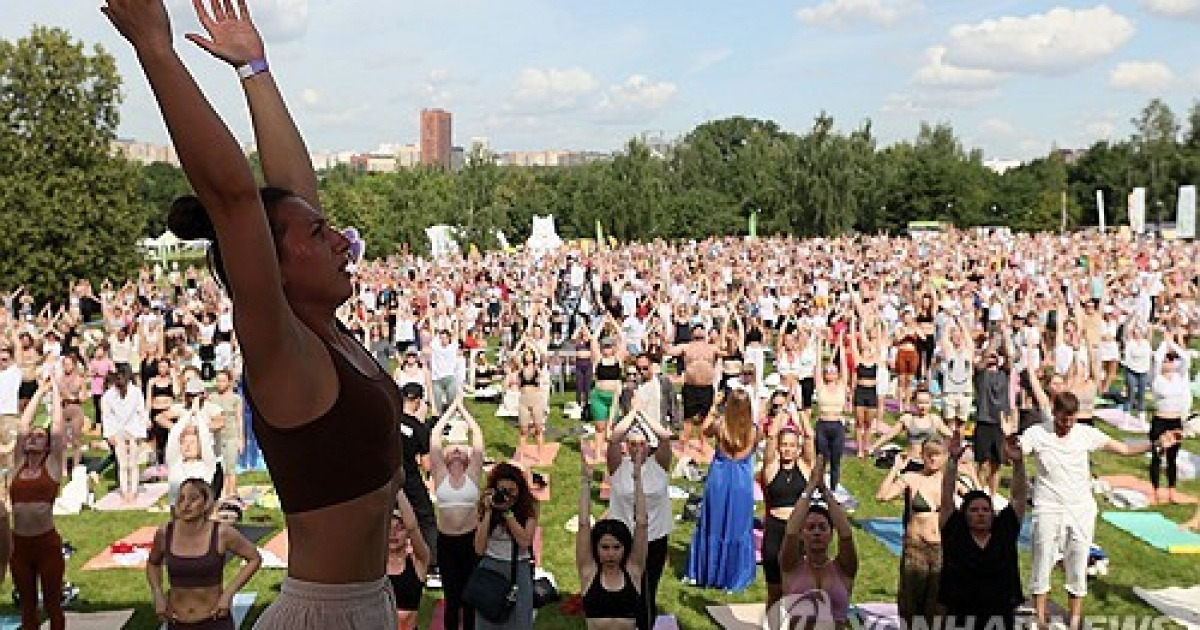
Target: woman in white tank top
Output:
{"points": [[456, 473]]}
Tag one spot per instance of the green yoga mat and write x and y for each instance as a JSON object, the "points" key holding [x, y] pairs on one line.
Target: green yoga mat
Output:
{"points": [[1155, 530]]}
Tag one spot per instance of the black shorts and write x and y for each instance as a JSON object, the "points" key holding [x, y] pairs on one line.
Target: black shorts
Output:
{"points": [[866, 396], [27, 390], [808, 388], [697, 400], [989, 443], [408, 591]]}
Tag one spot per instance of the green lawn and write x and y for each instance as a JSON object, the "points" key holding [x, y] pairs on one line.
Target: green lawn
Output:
{"points": [[1132, 563]]}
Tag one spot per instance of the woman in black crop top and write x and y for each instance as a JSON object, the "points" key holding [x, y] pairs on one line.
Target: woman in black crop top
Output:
{"points": [[192, 549], [287, 272], [408, 562], [160, 396], [787, 458], [610, 558], [532, 405]]}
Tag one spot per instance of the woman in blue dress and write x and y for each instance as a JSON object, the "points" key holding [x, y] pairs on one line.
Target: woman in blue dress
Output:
{"points": [[722, 551]]}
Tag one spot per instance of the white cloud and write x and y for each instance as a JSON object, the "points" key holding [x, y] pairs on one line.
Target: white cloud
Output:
{"points": [[311, 96], [937, 73], [706, 59], [636, 94], [1146, 76], [1101, 128], [553, 88], [1057, 42], [902, 104], [844, 12], [1188, 9], [997, 127]]}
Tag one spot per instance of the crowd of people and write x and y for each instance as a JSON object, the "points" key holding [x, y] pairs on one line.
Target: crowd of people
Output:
{"points": [[775, 361]]}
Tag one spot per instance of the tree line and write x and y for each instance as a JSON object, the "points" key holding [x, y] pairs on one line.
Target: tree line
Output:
{"points": [[71, 208]]}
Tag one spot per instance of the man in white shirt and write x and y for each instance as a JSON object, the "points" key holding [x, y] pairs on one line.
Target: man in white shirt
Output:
{"points": [[10, 386], [125, 424], [443, 369], [1064, 512]]}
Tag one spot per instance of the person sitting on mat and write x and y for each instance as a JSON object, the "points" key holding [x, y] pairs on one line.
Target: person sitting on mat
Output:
{"points": [[806, 562], [37, 555], [286, 270], [610, 559], [192, 547], [408, 562], [457, 469]]}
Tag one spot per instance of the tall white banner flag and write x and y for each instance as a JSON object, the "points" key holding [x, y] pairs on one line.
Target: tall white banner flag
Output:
{"points": [[1137, 210], [1100, 208], [1185, 212]]}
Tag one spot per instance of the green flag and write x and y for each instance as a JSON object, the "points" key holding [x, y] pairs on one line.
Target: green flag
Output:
{"points": [[599, 236], [754, 224]]}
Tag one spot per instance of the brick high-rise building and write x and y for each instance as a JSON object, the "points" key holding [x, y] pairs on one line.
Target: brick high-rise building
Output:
{"points": [[436, 145]]}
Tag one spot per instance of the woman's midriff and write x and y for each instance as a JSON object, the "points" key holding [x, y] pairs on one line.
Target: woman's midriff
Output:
{"points": [[781, 513], [32, 519], [608, 386], [923, 528], [189, 605], [457, 520], [342, 543]]}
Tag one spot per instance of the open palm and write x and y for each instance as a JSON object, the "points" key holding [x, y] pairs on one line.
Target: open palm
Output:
{"points": [[232, 36]]}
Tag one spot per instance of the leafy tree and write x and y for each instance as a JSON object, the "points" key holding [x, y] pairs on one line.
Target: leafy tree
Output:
{"points": [[69, 208]]}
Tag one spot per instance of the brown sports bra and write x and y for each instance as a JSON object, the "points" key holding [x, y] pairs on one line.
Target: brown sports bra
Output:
{"points": [[351, 450]]}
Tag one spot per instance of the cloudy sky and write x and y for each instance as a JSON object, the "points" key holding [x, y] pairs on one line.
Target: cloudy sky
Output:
{"points": [[1013, 77]]}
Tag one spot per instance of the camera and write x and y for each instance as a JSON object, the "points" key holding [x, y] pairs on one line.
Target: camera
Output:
{"points": [[500, 497]]}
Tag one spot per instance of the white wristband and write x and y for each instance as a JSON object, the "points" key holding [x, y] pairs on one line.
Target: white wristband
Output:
{"points": [[252, 67]]}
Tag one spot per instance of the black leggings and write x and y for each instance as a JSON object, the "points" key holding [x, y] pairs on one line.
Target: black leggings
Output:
{"points": [[656, 559], [457, 560], [831, 441], [1159, 426], [98, 409]]}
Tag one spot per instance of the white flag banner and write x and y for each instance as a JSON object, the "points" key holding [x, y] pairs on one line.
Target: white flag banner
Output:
{"points": [[1137, 210], [1185, 213], [1100, 208]]}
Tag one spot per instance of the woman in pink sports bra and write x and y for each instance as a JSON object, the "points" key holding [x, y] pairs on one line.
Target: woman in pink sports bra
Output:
{"points": [[816, 584]]}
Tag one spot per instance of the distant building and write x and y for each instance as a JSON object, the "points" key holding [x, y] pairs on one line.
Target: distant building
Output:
{"points": [[326, 160], [436, 138], [1070, 156], [145, 152], [548, 158]]}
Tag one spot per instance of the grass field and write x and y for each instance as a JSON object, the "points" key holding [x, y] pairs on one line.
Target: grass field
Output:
{"points": [[1131, 562]]}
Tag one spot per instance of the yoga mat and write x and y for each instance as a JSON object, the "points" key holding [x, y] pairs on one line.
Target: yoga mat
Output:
{"points": [[137, 560], [1180, 604], [878, 615], [148, 495], [275, 552], [529, 455], [666, 622], [104, 620], [254, 533], [242, 602], [1155, 530], [1123, 421], [1129, 482], [738, 616], [890, 532]]}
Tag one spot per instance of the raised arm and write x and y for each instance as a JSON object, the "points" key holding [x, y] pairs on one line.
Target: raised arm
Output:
{"points": [[584, 562], [233, 38], [789, 551], [613, 454], [954, 451], [641, 522], [435, 443]]}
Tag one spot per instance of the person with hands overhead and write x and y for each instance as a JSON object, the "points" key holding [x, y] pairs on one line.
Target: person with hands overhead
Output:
{"points": [[37, 556], [408, 562], [630, 451], [980, 580], [285, 269], [784, 476], [456, 470], [504, 535], [611, 559], [809, 571], [1064, 512], [192, 548]]}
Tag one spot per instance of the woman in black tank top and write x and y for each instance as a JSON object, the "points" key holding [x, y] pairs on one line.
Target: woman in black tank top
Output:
{"points": [[610, 559], [783, 477], [408, 562]]}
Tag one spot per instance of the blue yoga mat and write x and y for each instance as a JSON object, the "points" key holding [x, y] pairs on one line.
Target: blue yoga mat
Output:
{"points": [[890, 532], [1155, 530]]}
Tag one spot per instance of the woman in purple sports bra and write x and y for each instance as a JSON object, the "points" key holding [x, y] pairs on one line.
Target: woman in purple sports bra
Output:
{"points": [[192, 548], [816, 584]]}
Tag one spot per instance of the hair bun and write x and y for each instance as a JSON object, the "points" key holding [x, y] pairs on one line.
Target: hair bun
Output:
{"points": [[188, 220]]}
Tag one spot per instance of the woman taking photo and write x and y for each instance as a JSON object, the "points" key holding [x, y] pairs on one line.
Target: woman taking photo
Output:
{"points": [[504, 535], [609, 558], [783, 477], [192, 547], [808, 564], [456, 471], [285, 268], [631, 436], [37, 555]]}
